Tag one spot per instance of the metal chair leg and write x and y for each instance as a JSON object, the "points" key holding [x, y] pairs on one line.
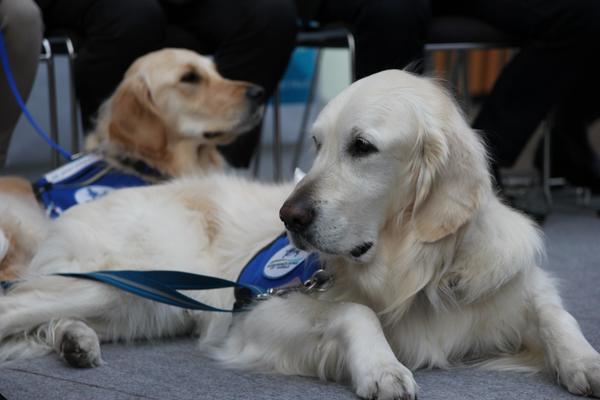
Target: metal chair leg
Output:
{"points": [[256, 161], [352, 55], [276, 136], [54, 156], [454, 71], [546, 173], [73, 97], [312, 92], [463, 66], [307, 111]]}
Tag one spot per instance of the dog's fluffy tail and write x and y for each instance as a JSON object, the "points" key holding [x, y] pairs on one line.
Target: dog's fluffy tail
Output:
{"points": [[526, 361]]}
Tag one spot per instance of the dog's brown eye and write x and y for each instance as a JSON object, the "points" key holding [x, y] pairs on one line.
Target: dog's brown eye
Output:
{"points": [[361, 147], [190, 77]]}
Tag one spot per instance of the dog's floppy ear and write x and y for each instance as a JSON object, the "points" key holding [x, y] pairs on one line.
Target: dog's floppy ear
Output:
{"points": [[134, 122], [450, 175]]}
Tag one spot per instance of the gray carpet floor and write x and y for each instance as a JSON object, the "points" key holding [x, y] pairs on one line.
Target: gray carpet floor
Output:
{"points": [[175, 370]]}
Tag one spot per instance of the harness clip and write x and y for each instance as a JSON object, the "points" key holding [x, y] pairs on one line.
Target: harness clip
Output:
{"points": [[320, 281]]}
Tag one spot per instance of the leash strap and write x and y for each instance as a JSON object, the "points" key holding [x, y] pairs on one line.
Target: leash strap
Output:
{"points": [[163, 286], [15, 91]]}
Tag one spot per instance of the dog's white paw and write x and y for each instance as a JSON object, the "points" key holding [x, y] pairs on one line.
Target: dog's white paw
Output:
{"points": [[80, 346], [387, 382], [582, 376]]}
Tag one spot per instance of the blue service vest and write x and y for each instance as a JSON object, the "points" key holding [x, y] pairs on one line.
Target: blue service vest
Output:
{"points": [[85, 179], [277, 265]]}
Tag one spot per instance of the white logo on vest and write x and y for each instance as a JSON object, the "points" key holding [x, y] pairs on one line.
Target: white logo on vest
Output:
{"points": [[284, 261], [89, 193]]}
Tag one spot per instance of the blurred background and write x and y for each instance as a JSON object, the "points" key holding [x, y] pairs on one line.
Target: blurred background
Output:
{"points": [[469, 74]]}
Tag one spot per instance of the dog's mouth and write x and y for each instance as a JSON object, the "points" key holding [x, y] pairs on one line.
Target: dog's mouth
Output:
{"points": [[300, 242], [213, 135], [254, 118], [219, 137], [361, 249], [251, 120], [306, 244]]}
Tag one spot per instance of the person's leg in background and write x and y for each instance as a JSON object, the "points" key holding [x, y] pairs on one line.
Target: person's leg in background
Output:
{"points": [[388, 33], [556, 36], [114, 33], [23, 29], [250, 40]]}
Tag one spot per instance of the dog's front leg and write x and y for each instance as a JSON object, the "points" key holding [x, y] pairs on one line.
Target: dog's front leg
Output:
{"points": [[575, 361], [301, 335]]}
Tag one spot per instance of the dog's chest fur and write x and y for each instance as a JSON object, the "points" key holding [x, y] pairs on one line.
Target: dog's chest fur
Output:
{"points": [[431, 302]]}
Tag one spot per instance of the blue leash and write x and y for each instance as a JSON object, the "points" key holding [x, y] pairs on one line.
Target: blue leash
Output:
{"points": [[13, 87], [160, 286], [278, 268]]}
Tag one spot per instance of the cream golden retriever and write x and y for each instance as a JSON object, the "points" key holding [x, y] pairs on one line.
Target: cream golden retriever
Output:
{"points": [[170, 112], [430, 268]]}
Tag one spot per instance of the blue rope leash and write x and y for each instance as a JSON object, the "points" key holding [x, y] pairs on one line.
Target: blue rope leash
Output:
{"points": [[15, 91], [160, 286]]}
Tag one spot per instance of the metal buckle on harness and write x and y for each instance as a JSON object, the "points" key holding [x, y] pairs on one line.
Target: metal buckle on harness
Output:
{"points": [[320, 281]]}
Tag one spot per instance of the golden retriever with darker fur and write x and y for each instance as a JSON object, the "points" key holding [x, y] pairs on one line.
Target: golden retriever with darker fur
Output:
{"points": [[170, 111]]}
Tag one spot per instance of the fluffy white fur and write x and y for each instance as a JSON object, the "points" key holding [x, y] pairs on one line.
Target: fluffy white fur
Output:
{"points": [[452, 274]]}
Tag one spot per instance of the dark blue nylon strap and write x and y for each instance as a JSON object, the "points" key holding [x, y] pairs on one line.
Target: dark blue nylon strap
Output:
{"points": [[162, 286]]}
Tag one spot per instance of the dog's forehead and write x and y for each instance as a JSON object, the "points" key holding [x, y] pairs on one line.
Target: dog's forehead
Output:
{"points": [[369, 103], [165, 63]]}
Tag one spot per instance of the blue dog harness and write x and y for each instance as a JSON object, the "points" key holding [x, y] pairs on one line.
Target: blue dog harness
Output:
{"points": [[87, 178], [276, 267]]}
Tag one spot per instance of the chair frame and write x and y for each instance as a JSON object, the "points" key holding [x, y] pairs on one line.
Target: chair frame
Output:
{"points": [[276, 102], [47, 56]]}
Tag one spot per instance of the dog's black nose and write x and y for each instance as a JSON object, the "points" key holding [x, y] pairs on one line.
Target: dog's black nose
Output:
{"points": [[297, 215], [255, 93]]}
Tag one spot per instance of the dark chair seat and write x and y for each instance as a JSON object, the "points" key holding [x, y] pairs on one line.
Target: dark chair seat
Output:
{"points": [[335, 36], [174, 37], [450, 32], [454, 32]]}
